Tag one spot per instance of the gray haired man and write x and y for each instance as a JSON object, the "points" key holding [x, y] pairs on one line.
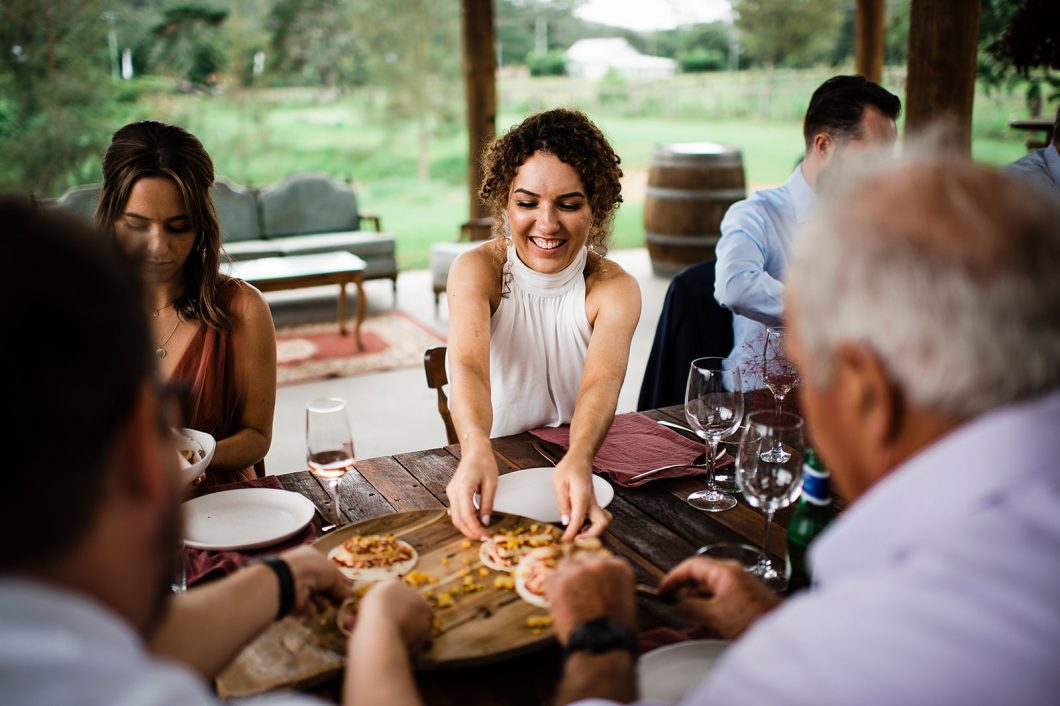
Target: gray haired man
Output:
{"points": [[923, 308]]}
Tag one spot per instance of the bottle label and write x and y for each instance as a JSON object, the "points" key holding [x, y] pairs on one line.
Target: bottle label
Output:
{"points": [[816, 486]]}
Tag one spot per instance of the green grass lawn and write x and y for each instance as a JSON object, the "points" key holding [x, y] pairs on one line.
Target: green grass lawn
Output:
{"points": [[258, 137]]}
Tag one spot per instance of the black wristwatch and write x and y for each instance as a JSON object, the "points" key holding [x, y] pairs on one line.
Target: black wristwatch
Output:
{"points": [[602, 635]]}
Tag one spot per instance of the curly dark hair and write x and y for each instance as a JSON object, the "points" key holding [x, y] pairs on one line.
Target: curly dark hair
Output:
{"points": [[572, 138]]}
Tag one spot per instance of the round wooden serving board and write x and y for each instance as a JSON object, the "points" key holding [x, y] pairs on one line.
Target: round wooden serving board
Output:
{"points": [[481, 626]]}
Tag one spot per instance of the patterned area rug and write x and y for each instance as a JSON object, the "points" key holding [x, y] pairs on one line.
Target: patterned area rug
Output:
{"points": [[317, 351]]}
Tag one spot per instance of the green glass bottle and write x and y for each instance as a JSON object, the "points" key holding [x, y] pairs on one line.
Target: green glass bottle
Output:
{"points": [[812, 514]]}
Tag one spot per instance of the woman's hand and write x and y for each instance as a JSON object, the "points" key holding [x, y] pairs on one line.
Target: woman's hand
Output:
{"points": [[477, 473], [573, 483]]}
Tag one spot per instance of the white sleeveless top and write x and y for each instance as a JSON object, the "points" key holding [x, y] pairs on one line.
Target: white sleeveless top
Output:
{"points": [[539, 338]]}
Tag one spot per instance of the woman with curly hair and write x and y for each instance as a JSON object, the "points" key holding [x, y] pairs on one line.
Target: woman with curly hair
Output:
{"points": [[540, 322], [212, 332]]}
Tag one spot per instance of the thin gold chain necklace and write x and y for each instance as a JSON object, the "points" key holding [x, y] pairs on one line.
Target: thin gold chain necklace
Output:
{"points": [[161, 350], [158, 311]]}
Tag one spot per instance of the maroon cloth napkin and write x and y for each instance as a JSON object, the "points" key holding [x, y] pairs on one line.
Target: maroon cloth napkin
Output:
{"points": [[661, 637], [633, 445], [205, 564]]}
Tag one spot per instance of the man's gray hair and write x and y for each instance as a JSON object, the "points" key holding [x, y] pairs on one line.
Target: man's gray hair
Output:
{"points": [[948, 270]]}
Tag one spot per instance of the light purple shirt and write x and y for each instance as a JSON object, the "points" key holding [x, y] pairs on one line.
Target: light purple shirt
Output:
{"points": [[756, 238], [941, 585]]}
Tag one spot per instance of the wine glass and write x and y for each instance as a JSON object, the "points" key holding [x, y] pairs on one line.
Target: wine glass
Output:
{"points": [[779, 374], [771, 482], [329, 445], [713, 408]]}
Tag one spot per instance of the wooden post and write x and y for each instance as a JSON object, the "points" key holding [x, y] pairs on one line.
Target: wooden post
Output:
{"points": [[480, 87], [869, 45], [940, 83]]}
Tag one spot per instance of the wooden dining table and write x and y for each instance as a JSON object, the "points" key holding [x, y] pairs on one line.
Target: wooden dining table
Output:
{"points": [[653, 528]]}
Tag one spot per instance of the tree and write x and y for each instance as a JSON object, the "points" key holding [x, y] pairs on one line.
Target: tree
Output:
{"points": [[797, 32], [56, 98], [188, 42], [315, 42], [1019, 41], [412, 55]]}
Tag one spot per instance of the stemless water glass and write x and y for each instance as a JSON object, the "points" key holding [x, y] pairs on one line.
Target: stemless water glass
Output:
{"points": [[713, 408], [767, 482], [329, 445], [779, 375]]}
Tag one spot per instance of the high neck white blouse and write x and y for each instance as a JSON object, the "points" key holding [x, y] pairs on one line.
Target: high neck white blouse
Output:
{"points": [[539, 338]]}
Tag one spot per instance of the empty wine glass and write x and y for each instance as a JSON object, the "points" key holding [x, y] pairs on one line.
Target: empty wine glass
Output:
{"points": [[329, 445], [767, 482], [713, 408], [780, 376]]}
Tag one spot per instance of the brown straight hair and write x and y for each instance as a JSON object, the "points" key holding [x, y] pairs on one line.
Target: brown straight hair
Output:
{"points": [[153, 149]]}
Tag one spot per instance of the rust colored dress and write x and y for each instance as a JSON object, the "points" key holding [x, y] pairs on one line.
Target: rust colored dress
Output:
{"points": [[209, 367]]}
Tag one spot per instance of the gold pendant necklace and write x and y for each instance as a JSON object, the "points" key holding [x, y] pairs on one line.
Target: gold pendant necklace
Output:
{"points": [[156, 312], [161, 350]]}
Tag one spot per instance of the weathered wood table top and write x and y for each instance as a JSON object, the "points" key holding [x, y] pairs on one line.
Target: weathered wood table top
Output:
{"points": [[653, 528]]}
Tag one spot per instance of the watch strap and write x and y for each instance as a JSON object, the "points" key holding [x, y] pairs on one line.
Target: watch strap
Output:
{"points": [[601, 635]]}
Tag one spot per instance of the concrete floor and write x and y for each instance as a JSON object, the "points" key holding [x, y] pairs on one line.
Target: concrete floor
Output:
{"points": [[393, 412]]}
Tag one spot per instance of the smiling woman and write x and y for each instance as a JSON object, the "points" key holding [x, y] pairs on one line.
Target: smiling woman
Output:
{"points": [[211, 332], [539, 320]]}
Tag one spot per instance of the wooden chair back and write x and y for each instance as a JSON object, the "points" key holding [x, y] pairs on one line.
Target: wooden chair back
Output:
{"points": [[434, 365]]}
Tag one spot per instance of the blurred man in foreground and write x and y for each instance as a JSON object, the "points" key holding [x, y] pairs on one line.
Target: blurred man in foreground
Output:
{"points": [[89, 512], [847, 115], [924, 306]]}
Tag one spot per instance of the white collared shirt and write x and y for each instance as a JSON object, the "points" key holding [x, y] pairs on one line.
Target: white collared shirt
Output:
{"points": [[59, 647], [756, 238]]}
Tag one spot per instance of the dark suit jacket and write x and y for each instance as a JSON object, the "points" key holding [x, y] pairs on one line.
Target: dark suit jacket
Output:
{"points": [[692, 325]]}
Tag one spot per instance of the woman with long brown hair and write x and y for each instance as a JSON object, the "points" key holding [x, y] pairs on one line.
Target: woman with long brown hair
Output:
{"points": [[213, 332]]}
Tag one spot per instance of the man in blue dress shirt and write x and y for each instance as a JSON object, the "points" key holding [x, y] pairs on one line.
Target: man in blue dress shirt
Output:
{"points": [[847, 114], [1042, 166]]}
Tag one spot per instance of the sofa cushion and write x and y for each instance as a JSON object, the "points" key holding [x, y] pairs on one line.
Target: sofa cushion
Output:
{"points": [[251, 249], [442, 256], [363, 243], [308, 203], [237, 211], [81, 201]]}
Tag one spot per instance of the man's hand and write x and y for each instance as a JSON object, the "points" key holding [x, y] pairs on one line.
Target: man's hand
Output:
{"points": [[718, 594], [584, 588], [397, 605], [314, 576]]}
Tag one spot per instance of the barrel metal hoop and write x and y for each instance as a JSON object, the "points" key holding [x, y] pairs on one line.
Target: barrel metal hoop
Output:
{"points": [[719, 162], [685, 240], [696, 194]]}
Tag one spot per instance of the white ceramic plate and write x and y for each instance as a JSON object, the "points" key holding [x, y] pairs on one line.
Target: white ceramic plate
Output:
{"points": [[244, 518], [529, 493], [199, 442], [669, 673]]}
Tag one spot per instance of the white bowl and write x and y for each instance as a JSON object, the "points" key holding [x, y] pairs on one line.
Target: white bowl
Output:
{"points": [[199, 442]]}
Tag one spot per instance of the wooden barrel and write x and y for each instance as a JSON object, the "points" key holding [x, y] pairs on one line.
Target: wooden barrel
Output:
{"points": [[690, 186]]}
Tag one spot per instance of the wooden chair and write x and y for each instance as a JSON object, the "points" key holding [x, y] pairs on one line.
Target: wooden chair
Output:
{"points": [[434, 365]]}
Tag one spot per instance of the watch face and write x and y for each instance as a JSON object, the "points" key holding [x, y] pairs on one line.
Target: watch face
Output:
{"points": [[602, 635]]}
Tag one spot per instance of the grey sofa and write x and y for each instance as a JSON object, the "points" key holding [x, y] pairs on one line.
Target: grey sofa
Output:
{"points": [[302, 214]]}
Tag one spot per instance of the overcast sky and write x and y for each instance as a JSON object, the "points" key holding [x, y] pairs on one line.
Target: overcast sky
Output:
{"points": [[647, 15]]}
